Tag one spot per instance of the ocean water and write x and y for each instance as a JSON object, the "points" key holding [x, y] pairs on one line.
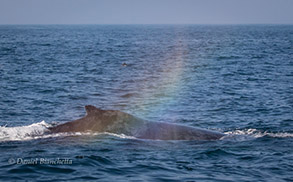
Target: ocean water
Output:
{"points": [[235, 79]]}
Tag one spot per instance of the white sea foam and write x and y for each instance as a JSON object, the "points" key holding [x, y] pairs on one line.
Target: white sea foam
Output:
{"points": [[40, 129], [28, 132], [254, 133], [119, 135]]}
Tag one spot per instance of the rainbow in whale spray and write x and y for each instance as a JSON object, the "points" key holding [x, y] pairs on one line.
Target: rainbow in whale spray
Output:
{"points": [[161, 89]]}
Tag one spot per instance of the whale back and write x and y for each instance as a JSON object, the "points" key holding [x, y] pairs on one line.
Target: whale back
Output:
{"points": [[169, 131], [113, 121], [99, 120]]}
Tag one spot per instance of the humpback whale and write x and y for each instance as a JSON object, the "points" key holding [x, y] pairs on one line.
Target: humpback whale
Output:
{"points": [[114, 121]]}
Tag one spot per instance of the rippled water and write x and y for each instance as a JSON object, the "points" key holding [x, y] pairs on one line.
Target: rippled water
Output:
{"points": [[233, 79]]}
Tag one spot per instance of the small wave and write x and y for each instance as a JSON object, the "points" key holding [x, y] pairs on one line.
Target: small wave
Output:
{"points": [[119, 135], [39, 130], [90, 134], [254, 133], [23, 132]]}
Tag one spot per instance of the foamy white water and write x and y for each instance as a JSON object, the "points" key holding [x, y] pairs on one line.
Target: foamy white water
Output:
{"points": [[23, 132], [38, 130], [254, 133]]}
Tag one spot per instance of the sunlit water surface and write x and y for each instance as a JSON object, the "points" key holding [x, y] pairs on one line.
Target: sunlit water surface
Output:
{"points": [[232, 79]]}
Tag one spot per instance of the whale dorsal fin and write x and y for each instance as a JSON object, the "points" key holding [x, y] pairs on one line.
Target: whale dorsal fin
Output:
{"points": [[90, 109]]}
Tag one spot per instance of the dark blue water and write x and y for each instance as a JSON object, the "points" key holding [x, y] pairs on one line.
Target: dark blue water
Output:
{"points": [[233, 79]]}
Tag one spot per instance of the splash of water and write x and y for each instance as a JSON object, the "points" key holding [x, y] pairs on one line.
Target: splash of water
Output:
{"points": [[39, 130], [247, 134], [23, 132]]}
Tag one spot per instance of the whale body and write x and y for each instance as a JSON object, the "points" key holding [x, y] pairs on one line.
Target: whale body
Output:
{"points": [[113, 121]]}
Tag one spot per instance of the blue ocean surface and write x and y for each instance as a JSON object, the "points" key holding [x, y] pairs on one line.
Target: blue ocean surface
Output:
{"points": [[234, 79]]}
